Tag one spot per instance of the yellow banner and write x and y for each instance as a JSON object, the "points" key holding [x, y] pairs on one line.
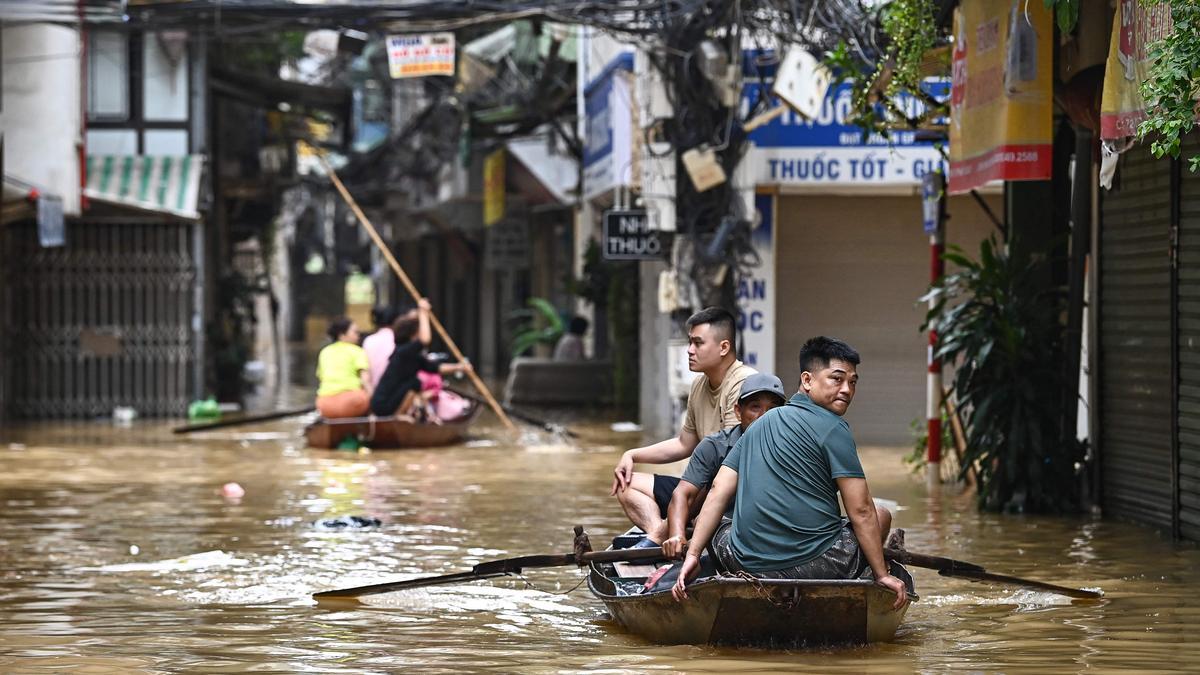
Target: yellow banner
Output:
{"points": [[493, 187], [1001, 125], [1135, 28]]}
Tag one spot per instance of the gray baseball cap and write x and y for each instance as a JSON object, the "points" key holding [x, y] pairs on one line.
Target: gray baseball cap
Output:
{"points": [[762, 382]]}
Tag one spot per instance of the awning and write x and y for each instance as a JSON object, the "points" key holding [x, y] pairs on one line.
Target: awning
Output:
{"points": [[162, 183]]}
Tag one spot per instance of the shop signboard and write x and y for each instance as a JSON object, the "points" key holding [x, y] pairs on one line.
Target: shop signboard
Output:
{"points": [[627, 236], [830, 152], [1000, 103], [608, 145], [1136, 26], [420, 55], [493, 187], [755, 293]]}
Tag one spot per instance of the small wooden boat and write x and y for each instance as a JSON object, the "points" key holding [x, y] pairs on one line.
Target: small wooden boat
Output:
{"points": [[389, 432], [733, 610]]}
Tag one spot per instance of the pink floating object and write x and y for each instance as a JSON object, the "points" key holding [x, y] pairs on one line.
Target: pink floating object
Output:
{"points": [[232, 491]]}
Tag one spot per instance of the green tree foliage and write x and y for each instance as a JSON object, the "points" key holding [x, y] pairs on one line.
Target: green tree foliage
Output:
{"points": [[1003, 331], [912, 31], [1173, 85]]}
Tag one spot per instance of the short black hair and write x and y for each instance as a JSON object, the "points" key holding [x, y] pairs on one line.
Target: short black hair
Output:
{"points": [[578, 325], [404, 328], [720, 319], [338, 327], [819, 351], [383, 316]]}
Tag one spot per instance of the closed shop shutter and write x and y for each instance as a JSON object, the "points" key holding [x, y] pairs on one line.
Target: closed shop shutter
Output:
{"points": [[102, 322], [1189, 349], [853, 268], [1135, 342]]}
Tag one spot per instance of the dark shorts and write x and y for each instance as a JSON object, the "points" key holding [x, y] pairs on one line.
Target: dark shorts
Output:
{"points": [[843, 560], [663, 487]]}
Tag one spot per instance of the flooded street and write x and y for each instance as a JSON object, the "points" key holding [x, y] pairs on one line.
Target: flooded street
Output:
{"points": [[120, 554]]}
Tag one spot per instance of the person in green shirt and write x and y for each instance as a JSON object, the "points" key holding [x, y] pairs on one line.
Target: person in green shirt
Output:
{"points": [[345, 381], [787, 471]]}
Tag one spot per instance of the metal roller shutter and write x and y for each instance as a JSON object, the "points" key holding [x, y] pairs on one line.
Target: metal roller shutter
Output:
{"points": [[1135, 343], [104, 321], [1189, 349]]}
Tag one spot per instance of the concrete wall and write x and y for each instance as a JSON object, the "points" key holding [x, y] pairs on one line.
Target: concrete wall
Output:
{"points": [[656, 409], [41, 114]]}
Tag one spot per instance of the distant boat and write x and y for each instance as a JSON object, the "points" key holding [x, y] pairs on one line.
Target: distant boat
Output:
{"points": [[738, 611], [390, 432]]}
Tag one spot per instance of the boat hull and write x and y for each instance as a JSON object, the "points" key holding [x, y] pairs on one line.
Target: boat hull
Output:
{"points": [[772, 612], [389, 432]]}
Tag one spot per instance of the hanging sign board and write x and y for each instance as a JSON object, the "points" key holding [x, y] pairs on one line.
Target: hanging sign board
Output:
{"points": [[627, 236], [420, 55], [931, 201], [1000, 100], [1135, 28], [50, 222], [493, 187]]}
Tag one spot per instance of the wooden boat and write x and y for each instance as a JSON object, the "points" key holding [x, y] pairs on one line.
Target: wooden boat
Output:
{"points": [[389, 432], [733, 610]]}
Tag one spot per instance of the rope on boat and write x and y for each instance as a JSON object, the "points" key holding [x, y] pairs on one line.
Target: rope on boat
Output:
{"points": [[786, 604], [529, 584]]}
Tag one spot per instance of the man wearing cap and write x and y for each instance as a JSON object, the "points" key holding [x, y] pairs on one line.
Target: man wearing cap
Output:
{"points": [[787, 473], [760, 393]]}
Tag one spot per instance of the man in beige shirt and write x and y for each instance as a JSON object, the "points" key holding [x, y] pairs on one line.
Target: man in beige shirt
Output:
{"points": [[712, 353]]}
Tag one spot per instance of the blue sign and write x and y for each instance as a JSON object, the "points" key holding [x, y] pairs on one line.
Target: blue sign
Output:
{"points": [[608, 147], [829, 150]]}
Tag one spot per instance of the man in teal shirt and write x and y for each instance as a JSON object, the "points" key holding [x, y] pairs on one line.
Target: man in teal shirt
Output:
{"points": [[787, 471]]}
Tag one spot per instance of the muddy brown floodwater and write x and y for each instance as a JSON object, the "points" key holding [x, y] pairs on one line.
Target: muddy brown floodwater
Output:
{"points": [[120, 554]]}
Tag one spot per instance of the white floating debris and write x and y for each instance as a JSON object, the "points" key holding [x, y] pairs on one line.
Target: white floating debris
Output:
{"points": [[195, 561], [626, 427], [481, 443]]}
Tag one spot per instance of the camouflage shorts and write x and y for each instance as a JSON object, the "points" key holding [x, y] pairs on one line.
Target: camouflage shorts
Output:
{"points": [[843, 560]]}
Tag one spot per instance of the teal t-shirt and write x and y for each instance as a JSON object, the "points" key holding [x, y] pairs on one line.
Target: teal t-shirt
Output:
{"points": [[788, 462]]}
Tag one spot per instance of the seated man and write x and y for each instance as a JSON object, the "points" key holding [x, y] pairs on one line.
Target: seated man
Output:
{"points": [[760, 393], [787, 472], [712, 352]]}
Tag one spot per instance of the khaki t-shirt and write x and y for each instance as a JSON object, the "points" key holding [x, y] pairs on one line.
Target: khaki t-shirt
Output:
{"points": [[711, 410]]}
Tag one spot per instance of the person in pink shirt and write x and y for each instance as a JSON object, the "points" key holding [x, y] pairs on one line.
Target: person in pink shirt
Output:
{"points": [[380, 344]]}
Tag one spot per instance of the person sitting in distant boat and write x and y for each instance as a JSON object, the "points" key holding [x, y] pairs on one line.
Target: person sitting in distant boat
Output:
{"points": [[760, 392], [787, 472], [380, 344], [570, 346], [399, 390], [342, 370]]}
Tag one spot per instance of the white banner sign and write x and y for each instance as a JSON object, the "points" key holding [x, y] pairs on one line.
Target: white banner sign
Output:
{"points": [[420, 55]]}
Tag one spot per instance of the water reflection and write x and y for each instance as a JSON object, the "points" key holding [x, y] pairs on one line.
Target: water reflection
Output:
{"points": [[121, 554]]}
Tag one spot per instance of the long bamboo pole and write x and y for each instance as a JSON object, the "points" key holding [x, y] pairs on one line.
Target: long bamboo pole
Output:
{"points": [[408, 284]]}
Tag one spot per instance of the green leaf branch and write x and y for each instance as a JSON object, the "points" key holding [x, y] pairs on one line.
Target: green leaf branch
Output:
{"points": [[1173, 86]]}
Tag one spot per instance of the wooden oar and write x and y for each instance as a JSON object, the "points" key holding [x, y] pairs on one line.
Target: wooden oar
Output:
{"points": [[245, 419], [495, 568], [412, 289], [523, 416], [948, 567]]}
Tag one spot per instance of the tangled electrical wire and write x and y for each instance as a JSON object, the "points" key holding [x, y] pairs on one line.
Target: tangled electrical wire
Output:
{"points": [[671, 32]]}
